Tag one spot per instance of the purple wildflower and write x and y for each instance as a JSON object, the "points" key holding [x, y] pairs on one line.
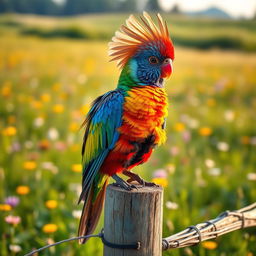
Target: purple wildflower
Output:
{"points": [[12, 201]]}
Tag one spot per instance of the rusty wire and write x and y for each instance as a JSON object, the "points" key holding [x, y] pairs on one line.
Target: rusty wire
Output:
{"points": [[226, 222]]}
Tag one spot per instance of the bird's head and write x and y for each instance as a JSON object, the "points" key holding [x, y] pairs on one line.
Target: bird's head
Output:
{"points": [[143, 51]]}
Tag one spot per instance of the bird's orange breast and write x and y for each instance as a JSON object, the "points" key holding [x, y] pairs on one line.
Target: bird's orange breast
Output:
{"points": [[144, 111]]}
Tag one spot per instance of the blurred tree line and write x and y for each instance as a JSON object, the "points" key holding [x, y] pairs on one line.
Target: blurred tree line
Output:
{"points": [[73, 7]]}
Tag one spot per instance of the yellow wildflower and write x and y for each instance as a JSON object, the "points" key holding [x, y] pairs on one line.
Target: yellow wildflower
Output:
{"points": [[6, 90], [50, 228], [10, 131], [45, 97], [205, 131], [5, 207], [58, 108], [44, 144], [22, 190], [211, 102], [76, 168], [51, 204], [29, 165], [73, 127], [84, 109], [160, 181], [179, 127], [36, 104], [209, 245]]}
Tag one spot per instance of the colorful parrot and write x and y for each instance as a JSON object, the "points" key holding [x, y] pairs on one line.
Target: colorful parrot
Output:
{"points": [[123, 126]]}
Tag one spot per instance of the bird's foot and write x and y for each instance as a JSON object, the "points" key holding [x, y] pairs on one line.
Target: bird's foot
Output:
{"points": [[123, 184], [135, 177]]}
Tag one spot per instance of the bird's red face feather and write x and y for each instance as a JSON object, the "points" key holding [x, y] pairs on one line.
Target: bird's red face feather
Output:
{"points": [[166, 69], [167, 50]]}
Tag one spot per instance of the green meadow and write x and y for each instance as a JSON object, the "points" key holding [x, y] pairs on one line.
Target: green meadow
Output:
{"points": [[50, 72]]}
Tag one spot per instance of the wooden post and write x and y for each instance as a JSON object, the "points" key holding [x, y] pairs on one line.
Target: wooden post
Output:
{"points": [[134, 216]]}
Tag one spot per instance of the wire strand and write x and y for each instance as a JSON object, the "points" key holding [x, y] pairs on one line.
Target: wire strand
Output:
{"points": [[60, 242]]}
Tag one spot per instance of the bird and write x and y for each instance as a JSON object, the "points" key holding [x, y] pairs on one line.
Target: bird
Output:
{"points": [[123, 126]]}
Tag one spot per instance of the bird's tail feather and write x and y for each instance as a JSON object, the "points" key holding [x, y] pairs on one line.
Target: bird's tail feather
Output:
{"points": [[91, 212]]}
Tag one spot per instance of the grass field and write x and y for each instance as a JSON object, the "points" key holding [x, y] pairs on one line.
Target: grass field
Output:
{"points": [[207, 165]]}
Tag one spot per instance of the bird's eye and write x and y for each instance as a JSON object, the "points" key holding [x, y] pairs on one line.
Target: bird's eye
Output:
{"points": [[166, 61], [153, 60]]}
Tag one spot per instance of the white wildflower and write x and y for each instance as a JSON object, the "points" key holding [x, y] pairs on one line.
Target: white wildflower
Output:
{"points": [[223, 146], [171, 205], [214, 171], [77, 214], [251, 176], [209, 163], [14, 248], [53, 134], [229, 115], [38, 122]]}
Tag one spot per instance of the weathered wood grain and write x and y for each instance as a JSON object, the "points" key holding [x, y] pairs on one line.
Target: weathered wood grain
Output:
{"points": [[132, 216]]}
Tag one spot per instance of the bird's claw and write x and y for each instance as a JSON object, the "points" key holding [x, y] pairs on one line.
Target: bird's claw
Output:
{"points": [[137, 178], [123, 184], [150, 184]]}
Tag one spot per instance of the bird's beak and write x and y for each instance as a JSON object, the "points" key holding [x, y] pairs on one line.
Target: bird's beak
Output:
{"points": [[166, 68]]}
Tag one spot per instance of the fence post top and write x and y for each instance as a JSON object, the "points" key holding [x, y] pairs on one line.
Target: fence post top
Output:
{"points": [[138, 189]]}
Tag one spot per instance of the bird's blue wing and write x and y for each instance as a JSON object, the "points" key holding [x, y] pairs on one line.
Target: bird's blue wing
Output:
{"points": [[101, 134]]}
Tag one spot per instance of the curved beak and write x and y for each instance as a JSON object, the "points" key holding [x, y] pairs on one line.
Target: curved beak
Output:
{"points": [[166, 68]]}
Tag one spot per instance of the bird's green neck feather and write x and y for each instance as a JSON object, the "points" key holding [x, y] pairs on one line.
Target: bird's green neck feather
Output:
{"points": [[127, 79]]}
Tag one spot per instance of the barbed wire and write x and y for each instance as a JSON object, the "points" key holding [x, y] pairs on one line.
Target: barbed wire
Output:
{"points": [[60, 242], [226, 222]]}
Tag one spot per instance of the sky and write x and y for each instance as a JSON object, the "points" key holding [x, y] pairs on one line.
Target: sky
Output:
{"points": [[236, 8]]}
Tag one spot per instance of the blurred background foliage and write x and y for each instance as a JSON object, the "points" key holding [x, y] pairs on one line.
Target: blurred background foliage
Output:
{"points": [[225, 34], [74, 7], [51, 69]]}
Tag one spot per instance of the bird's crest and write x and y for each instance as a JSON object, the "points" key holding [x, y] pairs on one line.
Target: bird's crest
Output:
{"points": [[132, 36]]}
